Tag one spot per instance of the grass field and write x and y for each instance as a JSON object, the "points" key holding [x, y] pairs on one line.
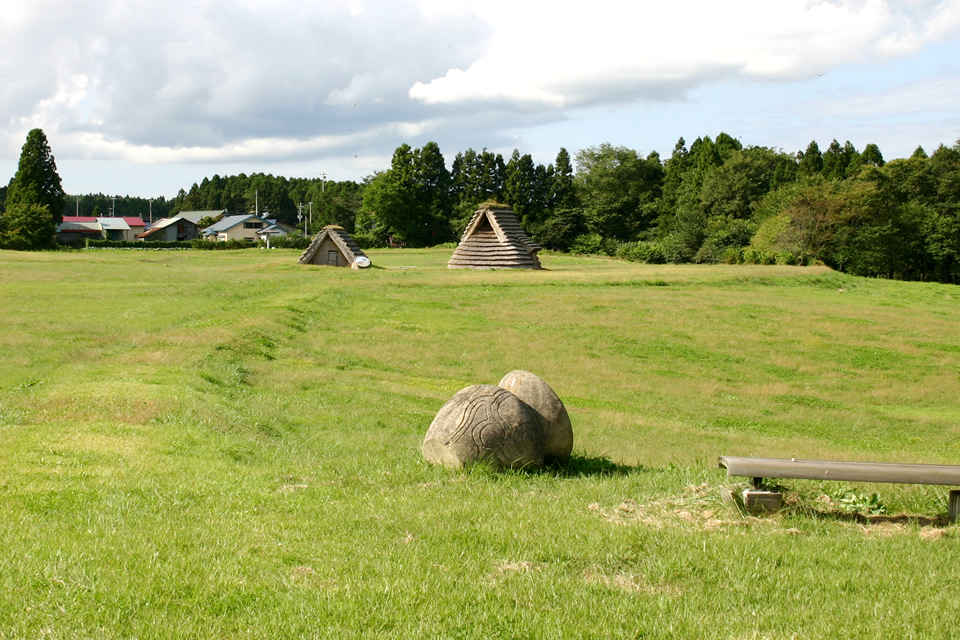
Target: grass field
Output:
{"points": [[226, 445]]}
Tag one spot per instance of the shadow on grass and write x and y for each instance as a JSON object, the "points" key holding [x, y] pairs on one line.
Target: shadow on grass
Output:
{"points": [[588, 466], [575, 467], [860, 518]]}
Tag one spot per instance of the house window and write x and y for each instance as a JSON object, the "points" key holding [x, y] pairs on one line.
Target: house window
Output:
{"points": [[252, 225]]}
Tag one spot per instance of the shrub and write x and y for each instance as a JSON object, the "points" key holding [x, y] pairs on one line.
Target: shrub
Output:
{"points": [[733, 255], [752, 255], [785, 257], [290, 241], [215, 245], [588, 244], [643, 251], [138, 244], [27, 227], [675, 249]]}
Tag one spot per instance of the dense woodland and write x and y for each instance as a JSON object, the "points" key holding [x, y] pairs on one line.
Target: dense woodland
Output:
{"points": [[712, 201]]}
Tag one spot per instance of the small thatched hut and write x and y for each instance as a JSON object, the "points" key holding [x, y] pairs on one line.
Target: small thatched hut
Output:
{"points": [[494, 240], [335, 247]]}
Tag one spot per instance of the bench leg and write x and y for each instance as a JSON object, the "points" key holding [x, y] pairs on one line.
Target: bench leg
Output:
{"points": [[758, 503], [953, 505]]}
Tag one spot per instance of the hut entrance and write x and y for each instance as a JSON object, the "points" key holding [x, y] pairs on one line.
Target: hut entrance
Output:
{"points": [[332, 256]]}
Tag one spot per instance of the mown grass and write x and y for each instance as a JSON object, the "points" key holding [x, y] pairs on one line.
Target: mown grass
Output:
{"points": [[198, 445]]}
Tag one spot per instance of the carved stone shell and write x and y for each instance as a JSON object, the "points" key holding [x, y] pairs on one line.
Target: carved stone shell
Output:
{"points": [[552, 415], [484, 422]]}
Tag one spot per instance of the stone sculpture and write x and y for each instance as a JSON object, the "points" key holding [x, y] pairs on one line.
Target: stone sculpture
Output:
{"points": [[516, 424], [551, 414]]}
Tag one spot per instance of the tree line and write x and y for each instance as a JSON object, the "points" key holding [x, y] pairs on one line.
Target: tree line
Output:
{"points": [[715, 200], [289, 200]]}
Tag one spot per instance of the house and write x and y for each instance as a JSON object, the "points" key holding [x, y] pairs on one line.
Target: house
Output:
{"points": [[78, 229], [115, 229], [196, 216], [171, 230], [242, 227], [75, 229], [275, 229], [334, 247], [494, 240], [290, 229], [137, 226]]}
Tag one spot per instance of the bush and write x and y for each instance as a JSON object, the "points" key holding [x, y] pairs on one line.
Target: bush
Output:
{"points": [[139, 244], [733, 255], [752, 255], [216, 245], [675, 249], [290, 241], [369, 240], [785, 257], [27, 227], [588, 244], [647, 252]]}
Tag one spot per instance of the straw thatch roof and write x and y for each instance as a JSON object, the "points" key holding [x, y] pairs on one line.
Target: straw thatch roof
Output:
{"points": [[494, 240], [334, 238]]}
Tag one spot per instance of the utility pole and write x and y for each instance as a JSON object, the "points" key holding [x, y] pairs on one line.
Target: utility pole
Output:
{"points": [[113, 208], [323, 186], [311, 214]]}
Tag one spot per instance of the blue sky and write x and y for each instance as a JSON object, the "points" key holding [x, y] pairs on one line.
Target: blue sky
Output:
{"points": [[143, 98]]}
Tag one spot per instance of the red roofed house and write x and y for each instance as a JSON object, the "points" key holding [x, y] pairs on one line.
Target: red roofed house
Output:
{"points": [[79, 228]]}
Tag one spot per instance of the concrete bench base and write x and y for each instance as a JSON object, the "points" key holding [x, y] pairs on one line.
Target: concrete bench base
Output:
{"points": [[897, 473]]}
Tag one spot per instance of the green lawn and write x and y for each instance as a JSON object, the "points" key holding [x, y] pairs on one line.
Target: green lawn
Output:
{"points": [[226, 445]]}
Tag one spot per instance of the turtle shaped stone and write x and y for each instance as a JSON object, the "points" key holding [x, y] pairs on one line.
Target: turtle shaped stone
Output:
{"points": [[485, 423]]}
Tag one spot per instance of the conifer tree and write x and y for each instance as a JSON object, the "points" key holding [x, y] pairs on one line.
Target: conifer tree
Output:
{"points": [[563, 192], [36, 180], [811, 160], [35, 198]]}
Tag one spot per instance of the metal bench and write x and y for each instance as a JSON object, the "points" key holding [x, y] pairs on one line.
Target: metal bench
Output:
{"points": [[891, 472]]}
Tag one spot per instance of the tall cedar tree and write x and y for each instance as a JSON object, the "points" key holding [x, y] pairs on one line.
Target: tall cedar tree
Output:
{"points": [[811, 160], [37, 181], [35, 198]]}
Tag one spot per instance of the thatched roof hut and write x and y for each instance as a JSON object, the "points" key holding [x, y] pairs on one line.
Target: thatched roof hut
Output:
{"points": [[334, 247], [494, 240]]}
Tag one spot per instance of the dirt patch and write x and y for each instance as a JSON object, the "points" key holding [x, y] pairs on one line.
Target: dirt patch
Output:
{"points": [[701, 507], [504, 568], [626, 581], [698, 506]]}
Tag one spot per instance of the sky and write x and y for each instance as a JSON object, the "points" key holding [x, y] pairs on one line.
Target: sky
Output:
{"points": [[143, 98]]}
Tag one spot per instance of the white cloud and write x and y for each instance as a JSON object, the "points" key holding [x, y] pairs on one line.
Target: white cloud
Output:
{"points": [[609, 50], [207, 72], [221, 81]]}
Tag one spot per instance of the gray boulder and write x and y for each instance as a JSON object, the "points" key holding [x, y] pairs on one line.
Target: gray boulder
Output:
{"points": [[484, 422], [551, 414]]}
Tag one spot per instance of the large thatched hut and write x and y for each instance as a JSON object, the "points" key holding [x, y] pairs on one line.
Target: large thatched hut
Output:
{"points": [[494, 240], [334, 247]]}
